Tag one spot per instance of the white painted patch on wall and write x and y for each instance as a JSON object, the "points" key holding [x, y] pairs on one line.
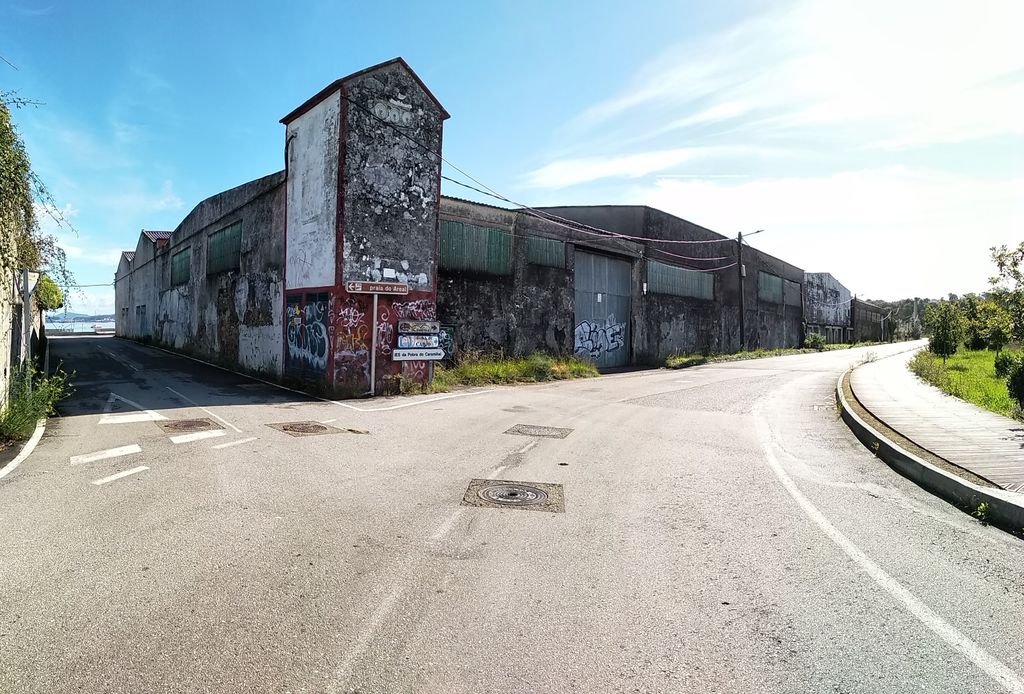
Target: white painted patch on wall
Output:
{"points": [[312, 150], [259, 348]]}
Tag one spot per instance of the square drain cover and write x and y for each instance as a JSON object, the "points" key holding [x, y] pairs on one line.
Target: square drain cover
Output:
{"points": [[184, 426], [528, 496], [535, 430], [309, 428]]}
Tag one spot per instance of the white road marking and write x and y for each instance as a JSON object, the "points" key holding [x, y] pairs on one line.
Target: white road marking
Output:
{"points": [[328, 421], [121, 360], [196, 404], [411, 404], [125, 418], [198, 436], [384, 608], [447, 525], [943, 629], [497, 471], [527, 446], [235, 443], [119, 475], [103, 455], [29, 447]]}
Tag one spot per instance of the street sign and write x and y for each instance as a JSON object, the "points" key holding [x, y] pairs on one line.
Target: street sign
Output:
{"points": [[417, 354], [397, 288], [422, 327], [417, 341]]}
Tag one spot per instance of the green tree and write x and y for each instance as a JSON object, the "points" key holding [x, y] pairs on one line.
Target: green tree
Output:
{"points": [[48, 294], [997, 323], [945, 323], [1008, 285], [974, 324]]}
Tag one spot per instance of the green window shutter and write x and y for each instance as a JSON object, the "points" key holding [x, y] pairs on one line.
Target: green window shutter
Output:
{"points": [[181, 267], [224, 249], [475, 248], [769, 287], [663, 278], [793, 291], [547, 252]]}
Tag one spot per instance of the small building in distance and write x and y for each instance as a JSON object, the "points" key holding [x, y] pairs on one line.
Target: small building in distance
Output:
{"points": [[832, 311]]}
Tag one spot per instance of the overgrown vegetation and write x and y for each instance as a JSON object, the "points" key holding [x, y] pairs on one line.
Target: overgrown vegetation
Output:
{"points": [[479, 369], [815, 341], [31, 397], [681, 361], [48, 294], [969, 375], [22, 194], [945, 322]]}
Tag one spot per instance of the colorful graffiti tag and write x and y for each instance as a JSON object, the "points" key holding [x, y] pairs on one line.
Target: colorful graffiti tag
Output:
{"points": [[593, 339], [307, 334]]}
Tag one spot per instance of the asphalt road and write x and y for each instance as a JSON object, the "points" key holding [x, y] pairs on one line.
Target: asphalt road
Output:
{"points": [[723, 532]]}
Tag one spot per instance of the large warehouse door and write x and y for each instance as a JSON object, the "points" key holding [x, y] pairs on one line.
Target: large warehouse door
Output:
{"points": [[602, 309]]}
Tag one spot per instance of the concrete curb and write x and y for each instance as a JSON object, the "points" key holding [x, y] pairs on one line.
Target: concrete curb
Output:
{"points": [[1005, 509], [26, 450]]}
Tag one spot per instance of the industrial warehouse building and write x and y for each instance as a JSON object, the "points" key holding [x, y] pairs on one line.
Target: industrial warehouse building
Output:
{"points": [[311, 274]]}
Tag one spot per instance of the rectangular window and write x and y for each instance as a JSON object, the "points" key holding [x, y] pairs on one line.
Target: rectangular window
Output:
{"points": [[547, 252], [769, 287], [181, 267], [224, 249], [793, 290], [676, 281], [479, 249]]}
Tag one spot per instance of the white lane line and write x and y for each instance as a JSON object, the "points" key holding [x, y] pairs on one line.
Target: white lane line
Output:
{"points": [[362, 642], [119, 475], [447, 525], [103, 455], [229, 444], [527, 446], [497, 471], [124, 418], [411, 404], [121, 360], [328, 421], [198, 436], [943, 629], [196, 404], [29, 447]]}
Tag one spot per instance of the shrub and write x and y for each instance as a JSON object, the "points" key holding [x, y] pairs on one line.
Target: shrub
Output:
{"points": [[815, 341], [1015, 382], [1005, 362], [48, 294], [30, 398]]}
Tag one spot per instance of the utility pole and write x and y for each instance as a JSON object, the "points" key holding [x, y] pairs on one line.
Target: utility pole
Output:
{"points": [[740, 274]]}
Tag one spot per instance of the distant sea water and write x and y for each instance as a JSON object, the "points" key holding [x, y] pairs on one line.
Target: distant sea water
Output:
{"points": [[54, 328]]}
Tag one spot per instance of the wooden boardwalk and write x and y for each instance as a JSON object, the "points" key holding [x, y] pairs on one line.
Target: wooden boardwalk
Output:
{"points": [[987, 444]]}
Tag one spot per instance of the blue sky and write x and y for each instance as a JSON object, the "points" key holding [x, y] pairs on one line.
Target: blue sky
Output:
{"points": [[881, 141]]}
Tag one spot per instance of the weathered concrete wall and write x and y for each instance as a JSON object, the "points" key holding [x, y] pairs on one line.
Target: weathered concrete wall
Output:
{"points": [[311, 146], [233, 317], [867, 322], [826, 300]]}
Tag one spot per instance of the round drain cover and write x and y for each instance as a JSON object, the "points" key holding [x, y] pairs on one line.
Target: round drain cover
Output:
{"points": [[306, 428], [513, 494], [188, 424]]}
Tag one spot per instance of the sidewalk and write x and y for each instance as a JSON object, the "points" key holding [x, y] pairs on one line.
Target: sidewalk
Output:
{"points": [[987, 444]]}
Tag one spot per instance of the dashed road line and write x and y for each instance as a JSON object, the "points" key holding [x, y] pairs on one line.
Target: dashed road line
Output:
{"points": [[104, 455], [235, 443], [198, 436], [212, 414], [119, 475]]}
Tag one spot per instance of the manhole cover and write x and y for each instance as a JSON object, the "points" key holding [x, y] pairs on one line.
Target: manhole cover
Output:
{"points": [[181, 425], [309, 428], [535, 430], [532, 496]]}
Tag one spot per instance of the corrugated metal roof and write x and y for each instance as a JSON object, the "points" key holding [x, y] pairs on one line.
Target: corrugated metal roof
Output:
{"points": [[155, 236], [130, 255]]}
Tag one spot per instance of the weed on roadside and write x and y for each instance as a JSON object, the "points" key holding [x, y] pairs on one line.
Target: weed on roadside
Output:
{"points": [[31, 397]]}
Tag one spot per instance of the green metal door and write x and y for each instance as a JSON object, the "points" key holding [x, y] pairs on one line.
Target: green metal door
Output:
{"points": [[602, 309]]}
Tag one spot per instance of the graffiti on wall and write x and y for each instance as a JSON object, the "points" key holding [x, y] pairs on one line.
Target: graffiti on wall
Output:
{"points": [[421, 309], [307, 333], [593, 339], [350, 335], [385, 332]]}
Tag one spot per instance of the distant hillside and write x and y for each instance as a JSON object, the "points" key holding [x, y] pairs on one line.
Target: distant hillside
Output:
{"points": [[71, 317]]}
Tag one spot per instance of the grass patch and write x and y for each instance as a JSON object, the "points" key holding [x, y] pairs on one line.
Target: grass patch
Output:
{"points": [[681, 361], [969, 375], [482, 370], [30, 398]]}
